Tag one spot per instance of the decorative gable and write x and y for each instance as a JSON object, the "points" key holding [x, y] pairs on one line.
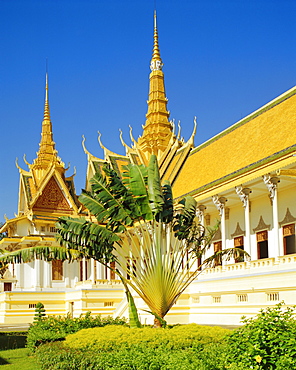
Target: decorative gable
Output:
{"points": [[52, 198]]}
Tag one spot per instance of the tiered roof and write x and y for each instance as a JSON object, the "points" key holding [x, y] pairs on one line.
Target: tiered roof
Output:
{"points": [[45, 193], [158, 136]]}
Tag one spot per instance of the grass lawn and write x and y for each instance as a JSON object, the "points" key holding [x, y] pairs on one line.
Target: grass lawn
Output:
{"points": [[16, 359]]}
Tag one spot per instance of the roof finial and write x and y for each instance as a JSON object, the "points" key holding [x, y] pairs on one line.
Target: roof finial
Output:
{"points": [[46, 105], [156, 62]]}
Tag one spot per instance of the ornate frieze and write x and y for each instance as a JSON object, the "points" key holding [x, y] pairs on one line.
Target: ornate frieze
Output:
{"points": [[261, 225], [52, 198], [238, 231], [288, 219]]}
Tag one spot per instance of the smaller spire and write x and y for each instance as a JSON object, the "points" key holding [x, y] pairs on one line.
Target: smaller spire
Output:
{"points": [[47, 154], [156, 62]]}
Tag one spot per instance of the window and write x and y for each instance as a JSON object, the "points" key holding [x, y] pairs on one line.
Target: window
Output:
{"points": [[57, 269], [108, 304], [52, 229], [217, 299], [262, 244], [32, 305], [218, 248], [271, 297], [289, 239], [242, 298], [83, 270], [7, 287], [43, 229], [239, 243]]}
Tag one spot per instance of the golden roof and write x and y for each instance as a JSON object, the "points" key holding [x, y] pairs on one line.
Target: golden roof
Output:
{"points": [[266, 134]]}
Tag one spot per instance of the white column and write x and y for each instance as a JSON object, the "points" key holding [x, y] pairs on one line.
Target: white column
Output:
{"points": [[75, 275], [274, 244], [220, 204], [47, 274], [92, 271], [99, 271], [37, 269], [243, 194], [200, 213], [66, 274], [18, 268]]}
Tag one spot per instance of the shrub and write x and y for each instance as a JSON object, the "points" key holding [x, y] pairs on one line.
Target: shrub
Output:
{"points": [[267, 341], [55, 328], [185, 347], [12, 340], [39, 312], [179, 337]]}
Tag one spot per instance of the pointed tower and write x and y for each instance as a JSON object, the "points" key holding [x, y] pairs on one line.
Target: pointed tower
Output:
{"points": [[45, 194], [158, 132], [47, 154], [157, 129], [44, 189]]}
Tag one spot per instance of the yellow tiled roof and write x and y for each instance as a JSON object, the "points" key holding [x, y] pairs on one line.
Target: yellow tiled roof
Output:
{"points": [[267, 131]]}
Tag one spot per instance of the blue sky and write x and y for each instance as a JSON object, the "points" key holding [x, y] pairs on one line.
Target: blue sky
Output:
{"points": [[222, 60]]}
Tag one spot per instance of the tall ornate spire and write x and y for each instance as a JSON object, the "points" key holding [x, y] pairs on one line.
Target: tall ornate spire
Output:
{"points": [[157, 130], [47, 154]]}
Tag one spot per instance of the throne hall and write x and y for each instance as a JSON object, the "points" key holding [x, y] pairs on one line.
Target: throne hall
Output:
{"points": [[245, 177]]}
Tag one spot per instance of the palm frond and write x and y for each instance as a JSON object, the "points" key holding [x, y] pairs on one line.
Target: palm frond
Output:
{"points": [[226, 255], [135, 178], [41, 252], [185, 219], [167, 213], [115, 199], [93, 240]]}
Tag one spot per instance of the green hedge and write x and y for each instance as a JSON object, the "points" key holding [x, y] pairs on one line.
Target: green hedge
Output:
{"points": [[112, 337], [265, 342], [55, 328], [182, 347], [12, 340]]}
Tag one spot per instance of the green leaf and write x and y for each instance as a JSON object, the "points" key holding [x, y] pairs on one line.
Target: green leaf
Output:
{"points": [[135, 178], [154, 187]]}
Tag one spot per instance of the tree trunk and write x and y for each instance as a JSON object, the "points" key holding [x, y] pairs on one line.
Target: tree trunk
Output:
{"points": [[157, 323]]}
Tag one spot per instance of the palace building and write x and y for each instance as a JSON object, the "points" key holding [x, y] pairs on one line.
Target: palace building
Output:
{"points": [[245, 177]]}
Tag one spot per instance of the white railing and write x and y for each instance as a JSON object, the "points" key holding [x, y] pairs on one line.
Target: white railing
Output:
{"points": [[241, 267]]}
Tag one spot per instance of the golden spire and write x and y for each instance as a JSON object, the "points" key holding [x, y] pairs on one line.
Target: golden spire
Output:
{"points": [[157, 129], [47, 154]]}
